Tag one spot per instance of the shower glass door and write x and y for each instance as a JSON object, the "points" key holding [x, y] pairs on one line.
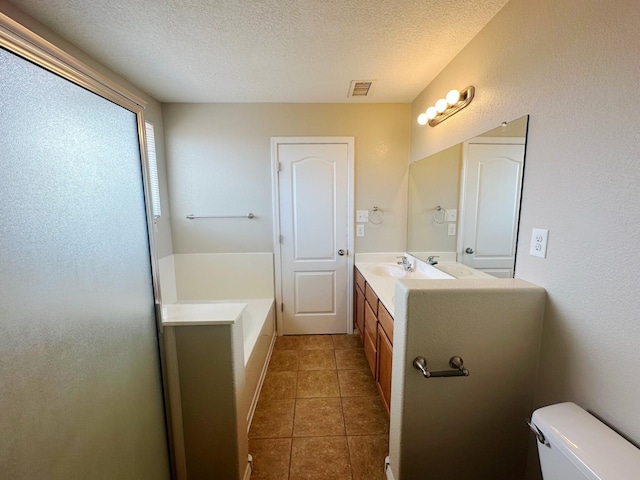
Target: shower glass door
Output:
{"points": [[81, 393]]}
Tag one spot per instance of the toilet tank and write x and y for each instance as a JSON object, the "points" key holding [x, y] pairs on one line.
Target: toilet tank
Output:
{"points": [[580, 447]]}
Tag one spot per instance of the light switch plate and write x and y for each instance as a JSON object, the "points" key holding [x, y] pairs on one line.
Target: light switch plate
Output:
{"points": [[451, 229], [451, 215], [539, 238], [360, 230], [362, 216]]}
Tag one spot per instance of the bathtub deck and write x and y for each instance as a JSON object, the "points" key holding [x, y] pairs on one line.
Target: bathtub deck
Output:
{"points": [[202, 313]]}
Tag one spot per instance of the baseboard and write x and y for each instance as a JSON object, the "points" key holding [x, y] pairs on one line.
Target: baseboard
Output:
{"points": [[256, 396], [249, 469], [387, 469]]}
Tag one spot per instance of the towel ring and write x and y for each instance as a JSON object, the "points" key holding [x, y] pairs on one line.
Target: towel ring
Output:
{"points": [[436, 214], [376, 216]]}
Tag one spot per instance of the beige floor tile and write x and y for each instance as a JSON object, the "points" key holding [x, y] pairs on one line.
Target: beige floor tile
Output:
{"points": [[289, 342], [367, 455], [279, 385], [273, 419], [316, 342], [317, 383], [352, 359], [343, 342], [365, 416], [271, 458], [317, 360], [357, 383], [284, 361], [320, 458], [318, 417]]}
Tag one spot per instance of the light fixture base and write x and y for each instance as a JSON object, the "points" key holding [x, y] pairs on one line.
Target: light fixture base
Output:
{"points": [[466, 95]]}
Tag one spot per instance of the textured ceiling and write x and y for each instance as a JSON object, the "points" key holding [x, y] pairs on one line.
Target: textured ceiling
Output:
{"points": [[269, 50]]}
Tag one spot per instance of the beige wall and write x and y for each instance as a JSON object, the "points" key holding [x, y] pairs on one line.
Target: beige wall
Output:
{"points": [[464, 428], [573, 66], [152, 113], [433, 181], [219, 162]]}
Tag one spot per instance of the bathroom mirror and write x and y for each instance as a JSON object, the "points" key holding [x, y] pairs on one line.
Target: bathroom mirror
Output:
{"points": [[464, 202]]}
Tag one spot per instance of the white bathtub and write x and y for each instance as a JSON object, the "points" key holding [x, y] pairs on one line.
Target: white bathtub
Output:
{"points": [[224, 320], [257, 318]]}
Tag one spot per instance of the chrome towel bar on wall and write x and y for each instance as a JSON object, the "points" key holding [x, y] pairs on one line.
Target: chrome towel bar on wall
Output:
{"points": [[455, 362], [249, 215]]}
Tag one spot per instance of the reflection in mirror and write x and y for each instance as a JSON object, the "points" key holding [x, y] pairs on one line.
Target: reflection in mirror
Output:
{"points": [[464, 202]]}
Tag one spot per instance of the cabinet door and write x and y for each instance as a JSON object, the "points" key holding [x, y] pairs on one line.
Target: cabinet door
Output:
{"points": [[359, 311], [370, 350], [385, 352]]}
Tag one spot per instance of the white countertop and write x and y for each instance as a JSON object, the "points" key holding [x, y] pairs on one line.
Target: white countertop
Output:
{"points": [[184, 314], [385, 285]]}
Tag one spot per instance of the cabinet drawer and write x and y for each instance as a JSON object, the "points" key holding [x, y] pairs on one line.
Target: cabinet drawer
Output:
{"points": [[359, 279], [372, 298], [386, 321], [370, 351], [370, 320]]}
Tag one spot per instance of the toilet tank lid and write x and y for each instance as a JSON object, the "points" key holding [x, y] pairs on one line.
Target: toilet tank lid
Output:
{"points": [[589, 444]]}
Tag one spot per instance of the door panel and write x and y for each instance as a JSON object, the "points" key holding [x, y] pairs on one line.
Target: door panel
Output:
{"points": [[314, 218], [315, 293], [313, 184], [492, 186]]}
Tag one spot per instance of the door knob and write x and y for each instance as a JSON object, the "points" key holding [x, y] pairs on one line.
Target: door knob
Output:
{"points": [[468, 250], [342, 252]]}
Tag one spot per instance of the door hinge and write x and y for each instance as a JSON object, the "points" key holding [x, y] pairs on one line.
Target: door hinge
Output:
{"points": [[281, 239], [282, 307], [279, 167]]}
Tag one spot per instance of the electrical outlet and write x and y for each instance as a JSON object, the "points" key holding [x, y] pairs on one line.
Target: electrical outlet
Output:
{"points": [[451, 229], [362, 216], [451, 215], [360, 230], [539, 238]]}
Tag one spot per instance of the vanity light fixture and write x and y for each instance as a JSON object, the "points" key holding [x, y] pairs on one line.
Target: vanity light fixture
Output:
{"points": [[445, 107]]}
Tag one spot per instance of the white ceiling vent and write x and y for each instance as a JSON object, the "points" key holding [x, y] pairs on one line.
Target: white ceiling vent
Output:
{"points": [[360, 88]]}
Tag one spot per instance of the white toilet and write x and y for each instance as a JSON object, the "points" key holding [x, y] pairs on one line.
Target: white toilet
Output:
{"points": [[574, 445]]}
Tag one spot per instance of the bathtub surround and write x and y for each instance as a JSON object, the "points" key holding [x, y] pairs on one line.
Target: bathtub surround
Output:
{"points": [[216, 276], [219, 330]]}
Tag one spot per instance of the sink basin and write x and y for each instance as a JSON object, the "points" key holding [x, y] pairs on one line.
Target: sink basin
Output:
{"points": [[390, 270], [455, 270]]}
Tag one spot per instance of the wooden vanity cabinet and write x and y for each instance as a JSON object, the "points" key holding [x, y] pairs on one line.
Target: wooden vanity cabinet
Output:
{"points": [[385, 356], [370, 337], [358, 311], [377, 334]]}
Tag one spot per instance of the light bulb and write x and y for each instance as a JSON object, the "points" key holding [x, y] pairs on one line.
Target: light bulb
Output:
{"points": [[431, 113], [441, 105], [423, 119], [452, 97]]}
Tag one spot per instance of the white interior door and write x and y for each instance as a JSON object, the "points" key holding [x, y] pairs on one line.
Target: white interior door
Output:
{"points": [[314, 220], [491, 189]]}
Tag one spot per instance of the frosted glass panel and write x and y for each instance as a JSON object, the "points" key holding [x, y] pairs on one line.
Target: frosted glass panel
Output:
{"points": [[81, 394]]}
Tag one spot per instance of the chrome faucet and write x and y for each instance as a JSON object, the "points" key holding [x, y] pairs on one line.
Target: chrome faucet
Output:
{"points": [[431, 260], [406, 264]]}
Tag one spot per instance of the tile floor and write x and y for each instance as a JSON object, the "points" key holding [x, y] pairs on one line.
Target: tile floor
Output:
{"points": [[319, 415]]}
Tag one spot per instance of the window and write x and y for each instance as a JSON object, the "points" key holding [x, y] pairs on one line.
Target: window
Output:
{"points": [[153, 170]]}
